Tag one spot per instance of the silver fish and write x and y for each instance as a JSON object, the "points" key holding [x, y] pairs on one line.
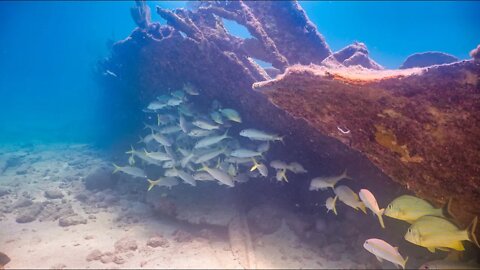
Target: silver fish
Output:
{"points": [[258, 135], [323, 183], [219, 175], [216, 117], [174, 102], [161, 139], [383, 250], [296, 167], [186, 177], [231, 115], [350, 198], [203, 176], [208, 156], [190, 89], [133, 171], [183, 124], [156, 105], [178, 94], [245, 153], [170, 129], [199, 132], [264, 147], [160, 156], [278, 164], [205, 142], [205, 125]]}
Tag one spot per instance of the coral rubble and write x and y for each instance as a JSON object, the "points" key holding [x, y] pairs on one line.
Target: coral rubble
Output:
{"points": [[428, 59]]}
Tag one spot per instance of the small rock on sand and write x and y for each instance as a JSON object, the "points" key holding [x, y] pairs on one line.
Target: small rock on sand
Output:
{"points": [[53, 194], [95, 255], [29, 214], [71, 220], [4, 191], [157, 241], [182, 236], [58, 266], [118, 259], [107, 257], [126, 244], [23, 202]]}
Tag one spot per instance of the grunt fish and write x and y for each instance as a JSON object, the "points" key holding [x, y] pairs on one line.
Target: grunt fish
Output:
{"points": [[185, 176], [434, 232], [205, 125], [219, 175], [264, 147], [131, 160], [350, 198], [174, 102], [258, 135], [160, 156], [371, 203], [384, 251], [231, 115], [278, 164], [296, 167], [178, 94], [323, 183], [190, 89], [199, 132], [203, 176], [161, 139], [156, 105], [330, 204], [183, 124], [148, 138], [208, 156], [205, 142], [133, 171], [170, 129], [281, 175], [410, 208], [216, 117], [244, 153], [260, 167]]}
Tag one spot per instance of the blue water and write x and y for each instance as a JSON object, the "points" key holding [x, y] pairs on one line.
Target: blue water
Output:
{"points": [[48, 51]]}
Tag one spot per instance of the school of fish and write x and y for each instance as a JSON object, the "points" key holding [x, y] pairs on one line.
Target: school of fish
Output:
{"points": [[193, 146]]}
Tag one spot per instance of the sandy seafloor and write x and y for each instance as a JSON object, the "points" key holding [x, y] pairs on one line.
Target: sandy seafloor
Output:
{"points": [[115, 228]]}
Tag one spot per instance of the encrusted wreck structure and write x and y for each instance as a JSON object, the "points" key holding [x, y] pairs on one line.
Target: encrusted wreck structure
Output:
{"points": [[415, 129]]}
